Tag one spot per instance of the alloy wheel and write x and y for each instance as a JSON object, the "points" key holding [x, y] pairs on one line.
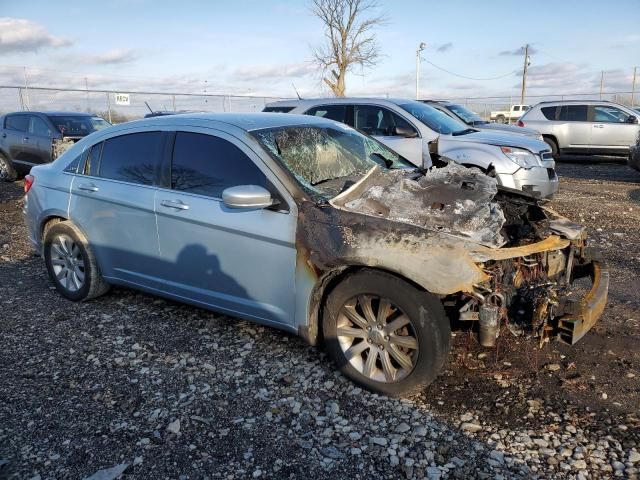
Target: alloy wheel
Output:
{"points": [[67, 263], [377, 338]]}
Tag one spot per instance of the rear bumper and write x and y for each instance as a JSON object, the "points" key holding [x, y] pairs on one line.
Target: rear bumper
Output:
{"points": [[580, 316]]}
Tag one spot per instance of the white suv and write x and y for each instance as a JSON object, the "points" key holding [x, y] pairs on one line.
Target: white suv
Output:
{"points": [[584, 126], [416, 131]]}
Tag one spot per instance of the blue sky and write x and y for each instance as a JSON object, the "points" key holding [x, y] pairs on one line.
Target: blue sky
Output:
{"points": [[261, 47]]}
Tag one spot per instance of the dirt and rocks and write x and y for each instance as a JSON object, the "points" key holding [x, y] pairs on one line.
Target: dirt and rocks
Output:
{"points": [[133, 385]]}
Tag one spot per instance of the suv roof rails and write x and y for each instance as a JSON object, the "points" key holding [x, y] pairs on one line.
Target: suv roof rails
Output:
{"points": [[577, 101]]}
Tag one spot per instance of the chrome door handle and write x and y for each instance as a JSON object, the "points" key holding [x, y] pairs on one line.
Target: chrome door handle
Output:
{"points": [[598, 126], [88, 187], [25, 140], [174, 204]]}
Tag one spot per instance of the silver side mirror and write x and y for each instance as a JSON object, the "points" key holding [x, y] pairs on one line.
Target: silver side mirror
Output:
{"points": [[247, 196]]}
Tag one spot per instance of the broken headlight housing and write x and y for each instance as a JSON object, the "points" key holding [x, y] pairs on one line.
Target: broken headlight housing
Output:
{"points": [[521, 157]]}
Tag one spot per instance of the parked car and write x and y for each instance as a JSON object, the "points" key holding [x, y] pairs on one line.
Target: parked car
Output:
{"points": [[417, 131], [514, 112], [584, 126], [460, 112], [306, 225], [32, 138]]}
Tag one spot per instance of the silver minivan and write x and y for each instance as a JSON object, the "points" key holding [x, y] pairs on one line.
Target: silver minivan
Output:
{"points": [[418, 131], [586, 127]]}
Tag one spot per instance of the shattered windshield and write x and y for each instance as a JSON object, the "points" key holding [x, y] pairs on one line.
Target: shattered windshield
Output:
{"points": [[78, 125], [315, 155]]}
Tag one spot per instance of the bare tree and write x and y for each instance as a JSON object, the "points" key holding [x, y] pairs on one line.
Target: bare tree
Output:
{"points": [[350, 40]]}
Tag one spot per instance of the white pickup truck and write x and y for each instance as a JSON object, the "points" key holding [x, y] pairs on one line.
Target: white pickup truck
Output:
{"points": [[506, 116]]}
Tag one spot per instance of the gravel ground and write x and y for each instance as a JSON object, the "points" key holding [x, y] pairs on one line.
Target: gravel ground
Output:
{"points": [[135, 384]]}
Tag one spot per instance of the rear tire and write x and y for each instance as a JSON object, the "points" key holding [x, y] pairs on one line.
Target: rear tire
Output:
{"points": [[385, 334], [552, 145], [500, 119], [8, 172], [71, 263]]}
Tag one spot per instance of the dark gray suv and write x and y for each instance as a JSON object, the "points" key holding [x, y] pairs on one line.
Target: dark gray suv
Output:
{"points": [[32, 138]]}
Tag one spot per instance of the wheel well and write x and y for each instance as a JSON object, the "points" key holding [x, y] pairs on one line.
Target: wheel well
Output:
{"points": [[325, 286], [46, 224], [551, 137]]}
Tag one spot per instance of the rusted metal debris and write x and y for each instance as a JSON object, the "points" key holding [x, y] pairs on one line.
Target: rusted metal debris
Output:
{"points": [[59, 146]]}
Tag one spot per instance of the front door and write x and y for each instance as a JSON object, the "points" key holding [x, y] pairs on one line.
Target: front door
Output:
{"points": [[610, 130], [16, 137], [235, 260], [385, 125], [39, 145], [112, 201]]}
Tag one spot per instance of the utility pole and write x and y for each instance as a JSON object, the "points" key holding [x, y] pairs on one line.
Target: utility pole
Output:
{"points": [[26, 90], [601, 83], [421, 47], [525, 68], [86, 86], [633, 87]]}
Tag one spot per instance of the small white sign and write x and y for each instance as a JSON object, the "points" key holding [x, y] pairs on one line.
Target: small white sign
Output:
{"points": [[122, 99]]}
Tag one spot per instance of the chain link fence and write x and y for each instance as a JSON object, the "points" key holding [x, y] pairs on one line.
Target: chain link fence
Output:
{"points": [[103, 102]]}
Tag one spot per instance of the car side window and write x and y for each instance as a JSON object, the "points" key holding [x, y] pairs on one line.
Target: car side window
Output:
{"points": [[379, 121], [516, 108], [606, 114], [92, 160], [131, 158], [206, 165], [549, 112], [39, 127], [573, 113], [19, 123], [75, 164], [331, 112]]}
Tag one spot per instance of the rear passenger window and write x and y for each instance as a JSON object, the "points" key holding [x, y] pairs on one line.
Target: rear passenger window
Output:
{"points": [[574, 113], [206, 165], [549, 112], [17, 122], [131, 158], [332, 112]]}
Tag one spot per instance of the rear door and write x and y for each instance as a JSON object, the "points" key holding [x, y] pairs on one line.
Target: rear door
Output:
{"points": [[16, 137], [39, 145], [383, 124], [112, 201], [575, 120], [235, 260], [610, 130]]}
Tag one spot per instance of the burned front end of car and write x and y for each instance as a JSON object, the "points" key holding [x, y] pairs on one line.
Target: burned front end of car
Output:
{"points": [[531, 266]]}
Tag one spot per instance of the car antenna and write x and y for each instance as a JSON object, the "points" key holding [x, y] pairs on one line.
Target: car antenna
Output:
{"points": [[150, 109], [296, 90]]}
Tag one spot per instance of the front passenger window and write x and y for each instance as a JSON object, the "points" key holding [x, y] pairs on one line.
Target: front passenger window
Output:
{"points": [[206, 165]]}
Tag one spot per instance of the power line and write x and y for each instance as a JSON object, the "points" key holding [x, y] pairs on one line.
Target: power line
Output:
{"points": [[463, 76]]}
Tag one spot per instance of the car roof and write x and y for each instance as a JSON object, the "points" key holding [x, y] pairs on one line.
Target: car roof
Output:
{"points": [[244, 121], [588, 102], [335, 100], [54, 113]]}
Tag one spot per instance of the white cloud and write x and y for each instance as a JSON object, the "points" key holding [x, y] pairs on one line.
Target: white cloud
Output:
{"points": [[110, 57], [273, 71], [20, 35]]}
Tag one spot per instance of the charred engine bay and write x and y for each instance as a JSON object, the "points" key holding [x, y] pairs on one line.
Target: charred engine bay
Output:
{"points": [[526, 292]]}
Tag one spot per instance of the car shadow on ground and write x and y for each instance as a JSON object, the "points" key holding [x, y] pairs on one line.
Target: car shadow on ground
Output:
{"points": [[11, 191], [587, 169]]}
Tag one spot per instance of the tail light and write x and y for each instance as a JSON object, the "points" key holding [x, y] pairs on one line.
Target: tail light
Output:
{"points": [[520, 123], [28, 183]]}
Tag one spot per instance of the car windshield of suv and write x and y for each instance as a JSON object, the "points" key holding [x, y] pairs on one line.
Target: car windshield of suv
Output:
{"points": [[78, 125], [466, 115], [433, 118], [315, 155]]}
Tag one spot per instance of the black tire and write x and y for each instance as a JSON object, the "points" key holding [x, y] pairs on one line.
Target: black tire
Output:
{"points": [[93, 285], [429, 327], [8, 171], [552, 145], [500, 119]]}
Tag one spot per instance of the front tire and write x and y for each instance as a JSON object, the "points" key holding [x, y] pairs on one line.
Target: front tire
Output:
{"points": [[8, 172], [385, 334], [71, 263]]}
